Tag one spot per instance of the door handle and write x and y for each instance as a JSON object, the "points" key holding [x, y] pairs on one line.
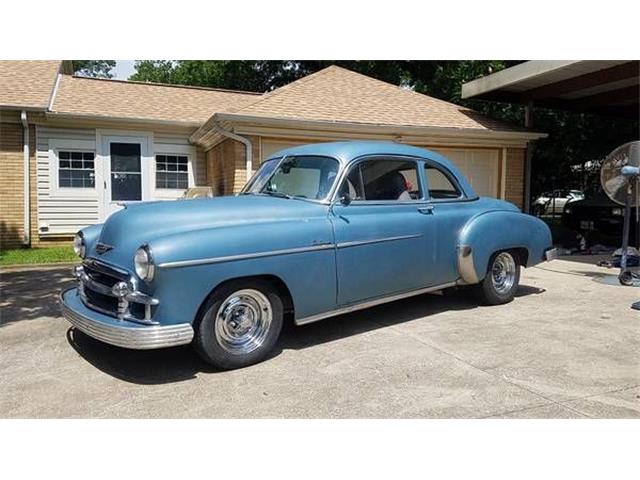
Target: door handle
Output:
{"points": [[426, 210]]}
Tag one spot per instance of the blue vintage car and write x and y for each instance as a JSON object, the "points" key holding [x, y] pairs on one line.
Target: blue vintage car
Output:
{"points": [[319, 230]]}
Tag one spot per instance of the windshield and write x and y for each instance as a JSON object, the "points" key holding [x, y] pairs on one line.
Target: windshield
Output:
{"points": [[302, 176]]}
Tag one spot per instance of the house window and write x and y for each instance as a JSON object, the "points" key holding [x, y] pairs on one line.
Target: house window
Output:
{"points": [[76, 169], [172, 171]]}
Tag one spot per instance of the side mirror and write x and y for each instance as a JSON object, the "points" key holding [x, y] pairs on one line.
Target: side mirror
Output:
{"points": [[345, 199]]}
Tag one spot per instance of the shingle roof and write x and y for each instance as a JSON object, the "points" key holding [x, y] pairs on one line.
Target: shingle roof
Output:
{"points": [[27, 83], [339, 95], [146, 101]]}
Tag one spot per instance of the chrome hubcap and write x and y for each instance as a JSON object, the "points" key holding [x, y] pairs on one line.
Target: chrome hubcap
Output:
{"points": [[503, 273], [243, 321]]}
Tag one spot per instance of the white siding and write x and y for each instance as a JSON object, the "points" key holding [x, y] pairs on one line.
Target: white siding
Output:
{"points": [[65, 214], [62, 214]]}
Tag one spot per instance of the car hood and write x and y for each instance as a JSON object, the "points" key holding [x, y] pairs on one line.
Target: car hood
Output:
{"points": [[141, 223]]}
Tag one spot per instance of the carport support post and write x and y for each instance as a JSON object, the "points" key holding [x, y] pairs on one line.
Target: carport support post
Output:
{"points": [[528, 123]]}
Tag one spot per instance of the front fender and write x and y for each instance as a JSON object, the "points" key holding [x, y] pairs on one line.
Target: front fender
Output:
{"points": [[493, 231], [190, 265], [91, 235]]}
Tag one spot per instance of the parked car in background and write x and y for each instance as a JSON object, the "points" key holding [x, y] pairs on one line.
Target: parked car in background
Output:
{"points": [[600, 220], [554, 202], [320, 230]]}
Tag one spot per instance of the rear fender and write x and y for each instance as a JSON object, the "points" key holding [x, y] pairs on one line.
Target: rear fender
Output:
{"points": [[495, 231]]}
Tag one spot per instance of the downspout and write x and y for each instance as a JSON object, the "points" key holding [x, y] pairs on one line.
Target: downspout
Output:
{"points": [[26, 185], [248, 149]]}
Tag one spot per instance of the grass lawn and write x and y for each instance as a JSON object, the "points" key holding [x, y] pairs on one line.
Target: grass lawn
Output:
{"points": [[27, 256]]}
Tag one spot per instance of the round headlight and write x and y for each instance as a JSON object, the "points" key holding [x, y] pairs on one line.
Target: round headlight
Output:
{"points": [[143, 263], [617, 212], [78, 245]]}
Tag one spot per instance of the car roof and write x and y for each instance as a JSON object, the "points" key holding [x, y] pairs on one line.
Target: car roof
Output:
{"points": [[348, 151]]}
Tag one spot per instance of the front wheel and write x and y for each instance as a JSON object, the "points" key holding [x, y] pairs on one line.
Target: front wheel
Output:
{"points": [[501, 281], [239, 324]]}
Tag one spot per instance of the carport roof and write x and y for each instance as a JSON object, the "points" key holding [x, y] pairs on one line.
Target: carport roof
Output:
{"points": [[609, 87]]}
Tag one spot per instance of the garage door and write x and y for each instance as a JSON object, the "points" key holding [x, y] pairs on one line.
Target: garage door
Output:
{"points": [[480, 166]]}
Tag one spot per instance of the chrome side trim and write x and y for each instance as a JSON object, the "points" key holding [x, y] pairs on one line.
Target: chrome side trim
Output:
{"points": [[286, 251], [371, 303], [466, 269], [245, 256], [357, 243], [139, 338]]}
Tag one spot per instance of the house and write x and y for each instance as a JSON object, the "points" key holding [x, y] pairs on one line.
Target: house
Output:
{"points": [[72, 149]]}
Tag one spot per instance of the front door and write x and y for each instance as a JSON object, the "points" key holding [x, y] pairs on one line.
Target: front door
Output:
{"points": [[124, 172], [385, 237]]}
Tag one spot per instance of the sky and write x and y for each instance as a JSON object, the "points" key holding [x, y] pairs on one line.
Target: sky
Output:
{"points": [[124, 68]]}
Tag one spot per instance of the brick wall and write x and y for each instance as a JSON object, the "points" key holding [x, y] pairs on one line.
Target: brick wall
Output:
{"points": [[221, 168], [514, 187], [12, 186]]}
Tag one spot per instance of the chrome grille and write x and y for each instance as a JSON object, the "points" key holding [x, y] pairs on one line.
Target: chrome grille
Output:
{"points": [[95, 283]]}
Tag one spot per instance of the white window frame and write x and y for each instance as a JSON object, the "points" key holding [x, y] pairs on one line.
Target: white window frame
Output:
{"points": [[177, 150], [55, 146]]}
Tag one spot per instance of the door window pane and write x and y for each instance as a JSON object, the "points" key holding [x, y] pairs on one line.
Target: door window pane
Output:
{"points": [[382, 179], [440, 184], [125, 157], [126, 178]]}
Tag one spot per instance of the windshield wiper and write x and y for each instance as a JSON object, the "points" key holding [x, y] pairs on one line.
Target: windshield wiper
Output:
{"points": [[276, 194]]}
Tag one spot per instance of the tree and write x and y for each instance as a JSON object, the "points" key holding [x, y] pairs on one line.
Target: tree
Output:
{"points": [[94, 68]]}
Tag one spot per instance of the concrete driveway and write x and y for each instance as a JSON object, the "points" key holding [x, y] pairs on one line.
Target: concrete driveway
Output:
{"points": [[567, 347]]}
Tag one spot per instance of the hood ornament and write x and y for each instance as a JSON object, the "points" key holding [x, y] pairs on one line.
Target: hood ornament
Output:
{"points": [[103, 248]]}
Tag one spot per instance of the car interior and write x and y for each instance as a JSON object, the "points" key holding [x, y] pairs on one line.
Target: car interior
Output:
{"points": [[382, 180]]}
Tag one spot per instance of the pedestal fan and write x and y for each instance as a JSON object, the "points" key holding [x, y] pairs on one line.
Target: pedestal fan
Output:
{"points": [[620, 179]]}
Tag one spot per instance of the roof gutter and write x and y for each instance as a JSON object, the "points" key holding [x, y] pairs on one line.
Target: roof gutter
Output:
{"points": [[26, 240], [114, 119], [376, 128]]}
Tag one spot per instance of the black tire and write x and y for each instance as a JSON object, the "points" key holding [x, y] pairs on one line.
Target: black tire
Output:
{"points": [[490, 291], [212, 339]]}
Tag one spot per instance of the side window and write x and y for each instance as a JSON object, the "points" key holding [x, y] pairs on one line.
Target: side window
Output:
{"points": [[440, 183], [383, 179]]}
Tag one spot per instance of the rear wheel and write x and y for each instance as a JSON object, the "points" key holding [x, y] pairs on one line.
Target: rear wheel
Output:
{"points": [[501, 281], [239, 324]]}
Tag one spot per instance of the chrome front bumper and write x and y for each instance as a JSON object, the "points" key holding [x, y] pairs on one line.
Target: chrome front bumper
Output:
{"points": [[127, 294], [121, 333]]}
